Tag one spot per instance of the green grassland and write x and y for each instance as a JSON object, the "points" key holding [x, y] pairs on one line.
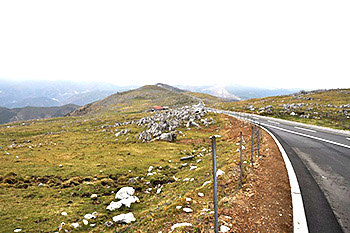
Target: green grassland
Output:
{"points": [[54, 165], [329, 108], [73, 158]]}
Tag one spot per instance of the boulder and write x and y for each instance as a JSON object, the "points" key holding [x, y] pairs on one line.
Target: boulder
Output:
{"points": [[124, 218], [186, 158], [170, 137], [177, 225], [124, 192]]}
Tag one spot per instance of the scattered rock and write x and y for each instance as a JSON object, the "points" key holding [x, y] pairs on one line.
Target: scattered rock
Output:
{"points": [[124, 218], [170, 137], [75, 225], [159, 190], [124, 192], [206, 183], [220, 173], [187, 210], [126, 201], [184, 165], [186, 158], [201, 194], [64, 213], [108, 224], [89, 216], [224, 228], [93, 196], [177, 225]]}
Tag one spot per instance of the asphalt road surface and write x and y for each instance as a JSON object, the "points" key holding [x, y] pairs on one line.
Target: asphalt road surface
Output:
{"points": [[321, 160]]}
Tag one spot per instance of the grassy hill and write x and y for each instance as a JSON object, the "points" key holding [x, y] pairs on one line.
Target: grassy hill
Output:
{"points": [[28, 113], [142, 99], [330, 108]]}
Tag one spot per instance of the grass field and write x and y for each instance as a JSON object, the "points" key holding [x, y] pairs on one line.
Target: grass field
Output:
{"points": [[53, 166], [329, 108]]}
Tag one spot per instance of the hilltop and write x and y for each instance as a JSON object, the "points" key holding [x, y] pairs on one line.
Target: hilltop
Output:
{"points": [[330, 108], [143, 98]]}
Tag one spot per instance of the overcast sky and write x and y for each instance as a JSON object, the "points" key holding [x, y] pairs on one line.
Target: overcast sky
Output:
{"points": [[282, 44]]}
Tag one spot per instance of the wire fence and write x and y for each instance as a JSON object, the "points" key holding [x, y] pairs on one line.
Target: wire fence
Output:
{"points": [[251, 138]]}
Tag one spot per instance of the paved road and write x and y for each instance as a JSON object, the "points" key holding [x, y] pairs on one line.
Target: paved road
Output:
{"points": [[321, 160]]}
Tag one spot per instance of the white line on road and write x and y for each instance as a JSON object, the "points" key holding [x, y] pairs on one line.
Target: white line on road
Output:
{"points": [[308, 136], [348, 139], [309, 130], [274, 122]]}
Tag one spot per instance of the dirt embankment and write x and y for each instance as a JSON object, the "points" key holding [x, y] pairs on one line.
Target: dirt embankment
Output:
{"points": [[264, 202]]}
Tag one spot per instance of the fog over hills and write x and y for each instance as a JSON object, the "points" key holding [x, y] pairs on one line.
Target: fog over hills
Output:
{"points": [[18, 94], [237, 92]]}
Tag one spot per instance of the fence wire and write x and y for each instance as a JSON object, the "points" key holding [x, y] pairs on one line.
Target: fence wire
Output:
{"points": [[247, 140]]}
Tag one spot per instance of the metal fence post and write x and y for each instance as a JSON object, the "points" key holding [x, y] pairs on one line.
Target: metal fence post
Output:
{"points": [[216, 226], [251, 157], [258, 141], [240, 164]]}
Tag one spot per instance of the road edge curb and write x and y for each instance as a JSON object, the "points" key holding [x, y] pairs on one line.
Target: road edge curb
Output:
{"points": [[299, 217]]}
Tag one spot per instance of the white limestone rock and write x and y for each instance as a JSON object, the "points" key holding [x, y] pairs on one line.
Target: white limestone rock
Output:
{"points": [[124, 192], [124, 218], [177, 225]]}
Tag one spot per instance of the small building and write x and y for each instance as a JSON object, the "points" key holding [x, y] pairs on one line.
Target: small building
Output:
{"points": [[158, 108]]}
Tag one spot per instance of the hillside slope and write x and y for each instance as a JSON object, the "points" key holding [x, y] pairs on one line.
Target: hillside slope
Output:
{"points": [[28, 113], [142, 99], [330, 108]]}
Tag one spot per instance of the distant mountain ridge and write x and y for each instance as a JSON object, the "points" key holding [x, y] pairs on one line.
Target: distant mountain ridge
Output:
{"points": [[237, 92], [220, 91], [18, 94], [29, 113]]}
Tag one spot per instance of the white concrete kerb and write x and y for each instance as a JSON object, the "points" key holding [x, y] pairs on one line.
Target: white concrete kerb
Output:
{"points": [[299, 217]]}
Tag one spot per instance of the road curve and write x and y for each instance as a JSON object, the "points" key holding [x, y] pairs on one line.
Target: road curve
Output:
{"points": [[321, 160]]}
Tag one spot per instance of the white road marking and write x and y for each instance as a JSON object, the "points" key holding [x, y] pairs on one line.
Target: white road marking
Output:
{"points": [[308, 136], [309, 130], [348, 139], [274, 122]]}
